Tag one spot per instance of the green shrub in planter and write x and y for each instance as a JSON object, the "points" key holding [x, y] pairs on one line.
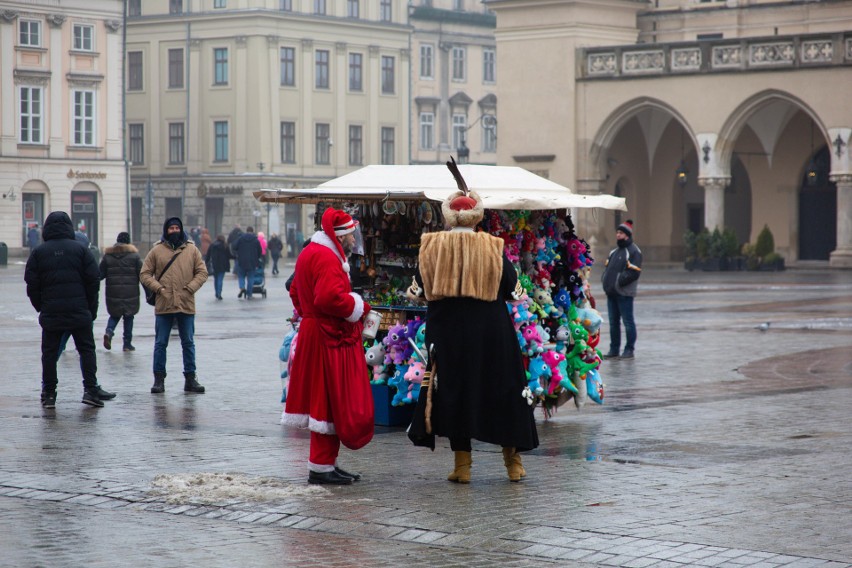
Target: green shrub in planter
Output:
{"points": [[765, 243]]}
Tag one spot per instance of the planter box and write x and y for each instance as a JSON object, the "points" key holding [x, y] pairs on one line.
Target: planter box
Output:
{"points": [[385, 413], [712, 265]]}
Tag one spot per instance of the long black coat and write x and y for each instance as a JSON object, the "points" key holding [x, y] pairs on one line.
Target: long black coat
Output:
{"points": [[248, 251], [120, 266], [480, 371], [219, 257], [62, 278]]}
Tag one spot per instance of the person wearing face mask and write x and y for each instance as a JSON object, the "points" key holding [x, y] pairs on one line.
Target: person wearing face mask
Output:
{"points": [[619, 280], [175, 285], [329, 391]]}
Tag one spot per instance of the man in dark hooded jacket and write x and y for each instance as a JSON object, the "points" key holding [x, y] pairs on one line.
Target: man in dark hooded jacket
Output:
{"points": [[619, 279], [175, 289], [120, 267], [248, 252], [62, 284]]}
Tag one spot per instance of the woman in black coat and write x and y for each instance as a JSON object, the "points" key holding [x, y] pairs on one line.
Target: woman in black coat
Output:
{"points": [[120, 268], [218, 259], [275, 247]]}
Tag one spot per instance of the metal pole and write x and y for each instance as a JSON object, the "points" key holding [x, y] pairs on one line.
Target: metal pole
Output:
{"points": [[124, 120]]}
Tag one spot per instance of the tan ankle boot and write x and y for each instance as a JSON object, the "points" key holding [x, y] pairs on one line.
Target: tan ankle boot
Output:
{"points": [[461, 473], [514, 467]]}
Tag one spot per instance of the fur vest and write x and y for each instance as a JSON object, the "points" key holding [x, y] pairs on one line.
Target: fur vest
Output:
{"points": [[461, 264]]}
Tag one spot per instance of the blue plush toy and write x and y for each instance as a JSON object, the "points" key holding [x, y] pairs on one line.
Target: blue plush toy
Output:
{"points": [[397, 381], [595, 386], [537, 371]]}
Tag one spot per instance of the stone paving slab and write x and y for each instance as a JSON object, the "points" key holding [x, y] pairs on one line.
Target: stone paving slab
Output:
{"points": [[720, 445]]}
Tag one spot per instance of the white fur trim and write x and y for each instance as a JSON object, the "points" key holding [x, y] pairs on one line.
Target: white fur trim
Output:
{"points": [[320, 467], [294, 420], [358, 311], [321, 238], [321, 427]]}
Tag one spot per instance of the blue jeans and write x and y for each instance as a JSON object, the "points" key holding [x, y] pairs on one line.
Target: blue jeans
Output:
{"points": [[112, 323], [246, 280], [218, 279], [186, 329], [620, 308]]}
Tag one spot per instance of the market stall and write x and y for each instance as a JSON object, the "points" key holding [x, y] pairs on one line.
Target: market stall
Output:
{"points": [[557, 325]]}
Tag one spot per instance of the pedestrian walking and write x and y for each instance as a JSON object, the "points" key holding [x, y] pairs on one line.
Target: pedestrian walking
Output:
{"points": [[33, 236], [233, 237], [219, 260], [206, 241], [275, 247], [174, 271], [120, 267], [62, 285], [264, 248], [621, 273], [466, 280], [329, 390], [248, 253]]}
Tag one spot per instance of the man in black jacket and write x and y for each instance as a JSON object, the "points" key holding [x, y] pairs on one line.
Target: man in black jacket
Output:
{"points": [[619, 280], [120, 268], [248, 253], [62, 284]]}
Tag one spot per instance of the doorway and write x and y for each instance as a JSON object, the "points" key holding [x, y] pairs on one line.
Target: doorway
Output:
{"points": [[84, 214]]}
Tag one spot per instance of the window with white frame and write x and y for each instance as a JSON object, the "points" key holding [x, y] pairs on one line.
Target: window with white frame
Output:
{"points": [[488, 65], [175, 6], [459, 67], [134, 8], [427, 130], [427, 51], [356, 145], [32, 115], [322, 149], [489, 134], [29, 33], [353, 8], [220, 66], [321, 78], [459, 129], [387, 145], [134, 71], [285, 5], [83, 117], [84, 37], [220, 149], [176, 143], [356, 72], [288, 142], [288, 66], [388, 79], [136, 150], [220, 3], [385, 11], [176, 68], [319, 7]]}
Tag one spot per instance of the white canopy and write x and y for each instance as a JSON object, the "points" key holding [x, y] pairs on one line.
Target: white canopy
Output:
{"points": [[501, 187]]}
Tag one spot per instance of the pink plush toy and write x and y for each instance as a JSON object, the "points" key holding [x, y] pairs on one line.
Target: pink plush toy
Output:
{"points": [[414, 377], [553, 360]]}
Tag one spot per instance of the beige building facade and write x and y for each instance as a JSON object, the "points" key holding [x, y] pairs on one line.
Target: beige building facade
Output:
{"points": [[454, 80], [60, 119], [718, 114], [226, 97]]}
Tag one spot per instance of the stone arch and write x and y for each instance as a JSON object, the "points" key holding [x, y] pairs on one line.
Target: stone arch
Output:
{"points": [[611, 126], [737, 120]]}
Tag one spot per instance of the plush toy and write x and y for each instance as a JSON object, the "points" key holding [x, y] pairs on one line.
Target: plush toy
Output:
{"points": [[562, 335], [594, 386], [375, 357], [543, 299], [396, 345], [537, 371], [284, 354], [590, 319], [532, 344], [553, 360], [562, 300], [414, 377], [397, 381]]}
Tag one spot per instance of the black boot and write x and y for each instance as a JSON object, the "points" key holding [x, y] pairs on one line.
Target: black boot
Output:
{"points": [[191, 384], [159, 382]]}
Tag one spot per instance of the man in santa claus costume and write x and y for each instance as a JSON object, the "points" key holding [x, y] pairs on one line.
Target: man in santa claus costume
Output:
{"points": [[329, 391]]}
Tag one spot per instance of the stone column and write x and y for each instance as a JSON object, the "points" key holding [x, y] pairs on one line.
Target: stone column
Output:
{"points": [[841, 257], [714, 201]]}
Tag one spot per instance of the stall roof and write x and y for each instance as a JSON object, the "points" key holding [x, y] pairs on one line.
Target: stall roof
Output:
{"points": [[501, 187]]}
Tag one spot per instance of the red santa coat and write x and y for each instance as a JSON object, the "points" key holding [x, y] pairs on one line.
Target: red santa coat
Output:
{"points": [[329, 390]]}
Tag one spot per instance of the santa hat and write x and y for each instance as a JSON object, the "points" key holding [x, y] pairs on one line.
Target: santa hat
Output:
{"points": [[626, 228], [336, 223]]}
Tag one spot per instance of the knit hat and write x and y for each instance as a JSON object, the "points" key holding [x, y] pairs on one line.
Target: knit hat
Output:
{"points": [[123, 238], [626, 227], [336, 223]]}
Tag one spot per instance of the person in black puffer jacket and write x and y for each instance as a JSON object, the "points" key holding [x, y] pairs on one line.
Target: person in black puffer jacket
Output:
{"points": [[62, 284], [120, 268], [619, 280]]}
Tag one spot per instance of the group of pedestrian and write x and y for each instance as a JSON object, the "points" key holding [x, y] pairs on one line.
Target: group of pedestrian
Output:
{"points": [[63, 285]]}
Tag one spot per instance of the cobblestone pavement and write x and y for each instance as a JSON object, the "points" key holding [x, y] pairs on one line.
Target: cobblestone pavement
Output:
{"points": [[719, 445]]}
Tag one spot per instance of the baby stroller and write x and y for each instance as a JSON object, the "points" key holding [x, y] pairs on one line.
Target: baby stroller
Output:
{"points": [[259, 282]]}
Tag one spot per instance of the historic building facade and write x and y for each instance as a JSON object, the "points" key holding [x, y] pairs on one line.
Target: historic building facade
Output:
{"points": [[60, 118], [719, 114], [454, 79], [226, 97]]}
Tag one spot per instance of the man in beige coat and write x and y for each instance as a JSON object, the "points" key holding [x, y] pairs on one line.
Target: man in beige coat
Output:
{"points": [[175, 285]]}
